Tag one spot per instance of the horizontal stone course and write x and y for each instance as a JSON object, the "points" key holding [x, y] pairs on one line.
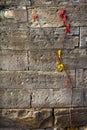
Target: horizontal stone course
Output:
{"points": [[14, 98], [29, 118], [45, 60], [42, 98], [17, 38], [48, 17], [54, 98], [40, 60], [32, 80], [26, 118], [41, 3], [62, 117], [13, 60]]}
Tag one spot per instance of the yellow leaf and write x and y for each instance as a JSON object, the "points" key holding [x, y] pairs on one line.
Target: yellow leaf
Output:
{"points": [[61, 67], [59, 52]]}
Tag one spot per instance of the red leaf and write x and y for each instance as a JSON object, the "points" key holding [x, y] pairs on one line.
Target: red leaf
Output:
{"points": [[66, 83], [35, 17], [61, 14], [68, 28], [63, 11]]}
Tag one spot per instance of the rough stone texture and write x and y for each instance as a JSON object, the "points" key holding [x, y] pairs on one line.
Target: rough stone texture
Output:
{"points": [[22, 38], [51, 98], [10, 128], [62, 117], [52, 38], [48, 16], [14, 15], [81, 78], [54, 98], [29, 79], [13, 60], [28, 118], [83, 37], [32, 80], [77, 97], [13, 2], [45, 60], [14, 98], [85, 96]]}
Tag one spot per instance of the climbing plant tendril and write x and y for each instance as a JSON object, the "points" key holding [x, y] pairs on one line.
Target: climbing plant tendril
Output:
{"points": [[59, 54]]}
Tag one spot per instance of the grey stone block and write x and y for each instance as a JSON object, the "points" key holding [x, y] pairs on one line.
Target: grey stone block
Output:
{"points": [[43, 38], [14, 15], [62, 117], [20, 38], [11, 2], [32, 80], [81, 78], [85, 97], [13, 60], [45, 60], [51, 98], [14, 98], [83, 37], [77, 97]]}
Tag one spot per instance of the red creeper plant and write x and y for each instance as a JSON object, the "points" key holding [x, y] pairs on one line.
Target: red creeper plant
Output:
{"points": [[61, 67], [64, 18], [35, 17], [68, 82]]}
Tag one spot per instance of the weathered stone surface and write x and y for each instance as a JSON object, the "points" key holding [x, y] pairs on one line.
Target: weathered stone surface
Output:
{"points": [[27, 118], [83, 1], [17, 38], [32, 80], [51, 98], [77, 97], [54, 98], [83, 37], [13, 60], [85, 96], [50, 2], [28, 72], [45, 60], [43, 38], [12, 2], [40, 3], [76, 62], [48, 17], [62, 117], [14, 15], [42, 60], [81, 78], [6, 27], [14, 37], [58, 2], [1, 128], [14, 98]]}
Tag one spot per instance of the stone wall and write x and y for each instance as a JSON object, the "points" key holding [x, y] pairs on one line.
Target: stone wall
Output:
{"points": [[32, 91]]}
